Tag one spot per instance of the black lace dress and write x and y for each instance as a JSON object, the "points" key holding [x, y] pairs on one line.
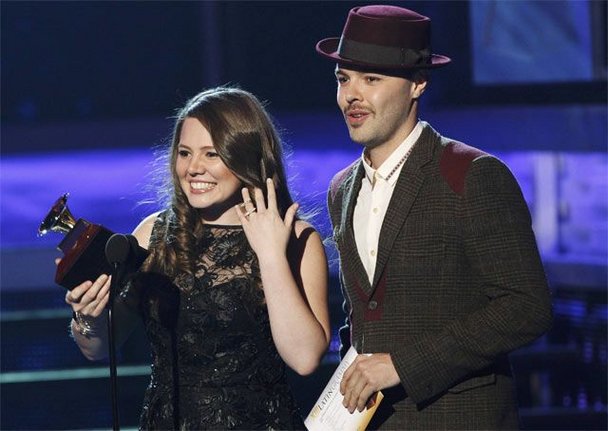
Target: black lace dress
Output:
{"points": [[215, 365]]}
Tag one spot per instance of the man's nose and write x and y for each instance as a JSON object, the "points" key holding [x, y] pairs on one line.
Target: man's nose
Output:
{"points": [[352, 92]]}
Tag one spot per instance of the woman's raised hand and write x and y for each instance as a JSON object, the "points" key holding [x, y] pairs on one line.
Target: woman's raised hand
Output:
{"points": [[267, 233]]}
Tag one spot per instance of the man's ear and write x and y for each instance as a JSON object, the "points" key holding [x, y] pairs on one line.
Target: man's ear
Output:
{"points": [[418, 87]]}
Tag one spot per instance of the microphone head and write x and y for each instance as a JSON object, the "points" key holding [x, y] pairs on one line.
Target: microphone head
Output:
{"points": [[133, 242], [118, 248]]}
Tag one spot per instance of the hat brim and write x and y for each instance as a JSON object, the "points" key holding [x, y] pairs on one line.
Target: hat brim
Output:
{"points": [[328, 48]]}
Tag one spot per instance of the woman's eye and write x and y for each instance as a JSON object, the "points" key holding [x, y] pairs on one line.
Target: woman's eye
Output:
{"points": [[211, 154], [182, 153]]}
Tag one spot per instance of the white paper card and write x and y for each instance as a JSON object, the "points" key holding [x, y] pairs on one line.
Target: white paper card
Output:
{"points": [[328, 413]]}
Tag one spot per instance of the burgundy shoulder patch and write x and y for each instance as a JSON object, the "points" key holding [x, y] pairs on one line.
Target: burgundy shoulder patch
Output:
{"points": [[455, 162]]}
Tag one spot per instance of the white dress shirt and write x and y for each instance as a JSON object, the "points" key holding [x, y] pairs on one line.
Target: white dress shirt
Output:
{"points": [[374, 197]]}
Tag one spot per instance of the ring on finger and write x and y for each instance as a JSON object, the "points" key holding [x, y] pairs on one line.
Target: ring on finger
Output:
{"points": [[248, 201], [248, 213]]}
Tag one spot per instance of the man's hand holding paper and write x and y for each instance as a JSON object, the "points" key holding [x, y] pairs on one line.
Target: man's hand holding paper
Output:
{"points": [[331, 412], [366, 375]]}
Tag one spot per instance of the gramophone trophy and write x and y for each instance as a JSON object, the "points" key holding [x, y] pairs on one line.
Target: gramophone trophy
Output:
{"points": [[83, 246]]}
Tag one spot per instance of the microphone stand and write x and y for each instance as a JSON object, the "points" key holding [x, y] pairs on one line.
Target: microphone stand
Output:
{"points": [[121, 250], [117, 272]]}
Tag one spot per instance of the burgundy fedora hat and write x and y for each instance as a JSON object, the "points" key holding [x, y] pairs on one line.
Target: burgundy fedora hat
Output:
{"points": [[385, 37]]}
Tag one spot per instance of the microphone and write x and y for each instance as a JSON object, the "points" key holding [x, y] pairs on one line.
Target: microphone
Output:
{"points": [[125, 250]]}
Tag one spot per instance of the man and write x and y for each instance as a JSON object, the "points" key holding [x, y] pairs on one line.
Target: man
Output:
{"points": [[439, 265]]}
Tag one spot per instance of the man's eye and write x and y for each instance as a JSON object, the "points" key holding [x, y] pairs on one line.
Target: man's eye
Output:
{"points": [[340, 79], [372, 79]]}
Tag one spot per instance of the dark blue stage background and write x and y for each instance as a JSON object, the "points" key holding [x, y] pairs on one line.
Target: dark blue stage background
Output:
{"points": [[88, 92]]}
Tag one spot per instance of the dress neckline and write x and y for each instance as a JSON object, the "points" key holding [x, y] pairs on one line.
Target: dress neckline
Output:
{"points": [[224, 226]]}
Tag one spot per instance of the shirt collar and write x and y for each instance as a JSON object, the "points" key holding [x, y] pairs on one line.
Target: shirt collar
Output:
{"points": [[392, 160]]}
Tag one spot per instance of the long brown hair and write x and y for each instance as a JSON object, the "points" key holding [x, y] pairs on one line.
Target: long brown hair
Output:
{"points": [[246, 140]]}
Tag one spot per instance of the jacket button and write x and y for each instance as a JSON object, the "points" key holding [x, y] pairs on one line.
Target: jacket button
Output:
{"points": [[372, 305]]}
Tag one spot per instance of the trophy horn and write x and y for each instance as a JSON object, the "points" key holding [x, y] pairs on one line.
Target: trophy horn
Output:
{"points": [[59, 219]]}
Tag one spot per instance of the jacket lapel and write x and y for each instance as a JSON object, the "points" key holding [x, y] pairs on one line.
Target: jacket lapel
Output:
{"points": [[348, 251], [407, 187]]}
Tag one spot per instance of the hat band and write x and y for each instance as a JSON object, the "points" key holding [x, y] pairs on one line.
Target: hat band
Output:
{"points": [[382, 55]]}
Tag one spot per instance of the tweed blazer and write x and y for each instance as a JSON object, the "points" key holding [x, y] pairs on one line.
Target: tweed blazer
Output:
{"points": [[458, 284]]}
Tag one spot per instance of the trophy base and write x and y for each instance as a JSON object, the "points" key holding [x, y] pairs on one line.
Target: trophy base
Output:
{"points": [[84, 255]]}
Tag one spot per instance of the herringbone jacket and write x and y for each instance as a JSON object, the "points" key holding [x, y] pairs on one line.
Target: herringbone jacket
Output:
{"points": [[458, 285]]}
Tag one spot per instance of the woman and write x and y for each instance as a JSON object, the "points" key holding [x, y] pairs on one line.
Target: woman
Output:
{"points": [[235, 285]]}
